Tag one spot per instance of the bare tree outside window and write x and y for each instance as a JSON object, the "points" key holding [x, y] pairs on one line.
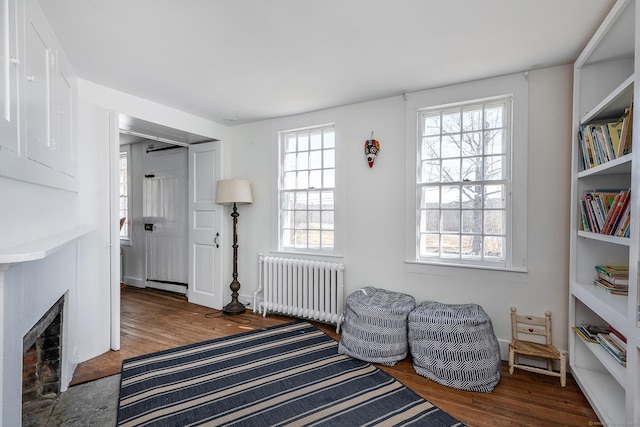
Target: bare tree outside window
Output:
{"points": [[462, 181]]}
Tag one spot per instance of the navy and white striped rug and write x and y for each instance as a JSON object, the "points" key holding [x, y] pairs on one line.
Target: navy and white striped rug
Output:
{"points": [[287, 375]]}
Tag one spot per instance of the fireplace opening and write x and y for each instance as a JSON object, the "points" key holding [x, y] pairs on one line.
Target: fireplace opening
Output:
{"points": [[42, 358]]}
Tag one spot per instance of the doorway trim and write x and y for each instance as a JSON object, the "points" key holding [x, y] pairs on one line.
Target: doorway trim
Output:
{"points": [[114, 246]]}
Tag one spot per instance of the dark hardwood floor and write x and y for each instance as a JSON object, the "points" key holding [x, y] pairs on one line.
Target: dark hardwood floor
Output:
{"points": [[154, 320]]}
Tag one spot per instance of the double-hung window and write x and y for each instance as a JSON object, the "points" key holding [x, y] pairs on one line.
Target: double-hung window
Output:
{"points": [[467, 197], [307, 189], [463, 181], [124, 195]]}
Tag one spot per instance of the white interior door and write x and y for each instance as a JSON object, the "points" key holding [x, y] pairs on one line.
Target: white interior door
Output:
{"points": [[205, 255], [165, 218]]}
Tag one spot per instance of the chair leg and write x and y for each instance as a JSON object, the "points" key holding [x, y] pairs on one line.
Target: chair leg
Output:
{"points": [[563, 369], [511, 359]]}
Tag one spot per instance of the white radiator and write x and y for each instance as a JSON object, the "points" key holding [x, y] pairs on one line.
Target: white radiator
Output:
{"points": [[301, 288]]}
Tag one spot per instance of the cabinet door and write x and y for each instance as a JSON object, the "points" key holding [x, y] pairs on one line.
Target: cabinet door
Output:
{"points": [[39, 62], [64, 140], [8, 76]]}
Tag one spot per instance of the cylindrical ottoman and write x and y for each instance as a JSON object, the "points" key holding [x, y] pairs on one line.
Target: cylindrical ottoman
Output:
{"points": [[375, 325], [454, 345]]}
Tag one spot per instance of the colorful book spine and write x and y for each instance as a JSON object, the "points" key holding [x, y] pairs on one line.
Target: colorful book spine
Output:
{"points": [[584, 334], [618, 353], [617, 271], [603, 141], [605, 211], [615, 281]]}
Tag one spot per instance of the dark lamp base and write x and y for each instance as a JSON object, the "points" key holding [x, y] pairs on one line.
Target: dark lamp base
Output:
{"points": [[234, 307]]}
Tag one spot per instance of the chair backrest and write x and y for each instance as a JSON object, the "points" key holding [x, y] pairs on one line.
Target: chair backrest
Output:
{"points": [[523, 325]]}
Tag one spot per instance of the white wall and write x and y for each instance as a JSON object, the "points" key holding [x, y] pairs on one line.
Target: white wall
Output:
{"points": [[374, 241], [93, 212], [21, 218]]}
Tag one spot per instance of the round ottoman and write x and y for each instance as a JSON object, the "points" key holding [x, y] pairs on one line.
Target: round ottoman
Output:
{"points": [[454, 345], [375, 325]]}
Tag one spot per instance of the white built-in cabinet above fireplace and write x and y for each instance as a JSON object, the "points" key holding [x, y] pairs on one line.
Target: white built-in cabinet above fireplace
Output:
{"points": [[37, 93]]}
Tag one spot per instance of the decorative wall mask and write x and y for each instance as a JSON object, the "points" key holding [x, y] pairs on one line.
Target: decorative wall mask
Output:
{"points": [[371, 149]]}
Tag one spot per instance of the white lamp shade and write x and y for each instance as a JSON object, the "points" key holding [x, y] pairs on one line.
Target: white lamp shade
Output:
{"points": [[230, 191]]}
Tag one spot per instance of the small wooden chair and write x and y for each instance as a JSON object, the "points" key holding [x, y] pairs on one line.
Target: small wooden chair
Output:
{"points": [[522, 325]]}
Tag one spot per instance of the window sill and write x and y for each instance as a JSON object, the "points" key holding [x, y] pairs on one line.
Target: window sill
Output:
{"points": [[471, 272]]}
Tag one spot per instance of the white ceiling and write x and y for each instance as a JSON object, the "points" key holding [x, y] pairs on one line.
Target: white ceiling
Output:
{"points": [[250, 60]]}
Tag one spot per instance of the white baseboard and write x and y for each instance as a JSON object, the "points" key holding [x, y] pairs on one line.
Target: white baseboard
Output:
{"points": [[167, 287], [133, 281], [246, 300], [139, 283]]}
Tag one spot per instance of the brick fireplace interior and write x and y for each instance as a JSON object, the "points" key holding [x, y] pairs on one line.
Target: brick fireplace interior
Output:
{"points": [[42, 357]]}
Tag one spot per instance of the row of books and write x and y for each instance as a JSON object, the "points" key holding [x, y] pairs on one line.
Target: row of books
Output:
{"points": [[606, 212], [609, 338], [606, 140], [613, 278]]}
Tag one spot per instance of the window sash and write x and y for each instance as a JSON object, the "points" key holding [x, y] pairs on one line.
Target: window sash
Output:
{"points": [[307, 189], [124, 194], [462, 158]]}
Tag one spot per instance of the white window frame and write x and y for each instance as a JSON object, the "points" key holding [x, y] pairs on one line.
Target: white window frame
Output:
{"points": [[126, 150], [310, 120], [516, 87]]}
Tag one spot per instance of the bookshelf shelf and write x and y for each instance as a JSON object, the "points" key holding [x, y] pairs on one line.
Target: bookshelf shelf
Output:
{"points": [[624, 241], [606, 306], [597, 386], [621, 165], [617, 371], [614, 104], [605, 76]]}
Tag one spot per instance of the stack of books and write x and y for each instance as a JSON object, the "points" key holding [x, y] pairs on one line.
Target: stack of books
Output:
{"points": [[609, 338], [613, 278], [606, 212], [615, 344], [606, 140], [590, 333]]}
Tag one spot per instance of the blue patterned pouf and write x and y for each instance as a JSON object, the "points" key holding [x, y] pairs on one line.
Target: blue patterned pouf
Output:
{"points": [[454, 345], [375, 325]]}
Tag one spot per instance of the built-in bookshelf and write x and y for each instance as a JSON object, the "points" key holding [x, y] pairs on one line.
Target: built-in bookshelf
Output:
{"points": [[604, 219]]}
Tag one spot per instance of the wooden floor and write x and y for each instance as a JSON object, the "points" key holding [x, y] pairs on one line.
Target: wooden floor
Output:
{"points": [[155, 320]]}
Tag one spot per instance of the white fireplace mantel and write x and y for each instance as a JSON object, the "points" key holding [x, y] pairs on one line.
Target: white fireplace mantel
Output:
{"points": [[31, 251], [40, 248]]}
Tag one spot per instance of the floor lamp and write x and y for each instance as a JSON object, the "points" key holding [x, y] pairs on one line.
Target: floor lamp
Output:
{"points": [[234, 192]]}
